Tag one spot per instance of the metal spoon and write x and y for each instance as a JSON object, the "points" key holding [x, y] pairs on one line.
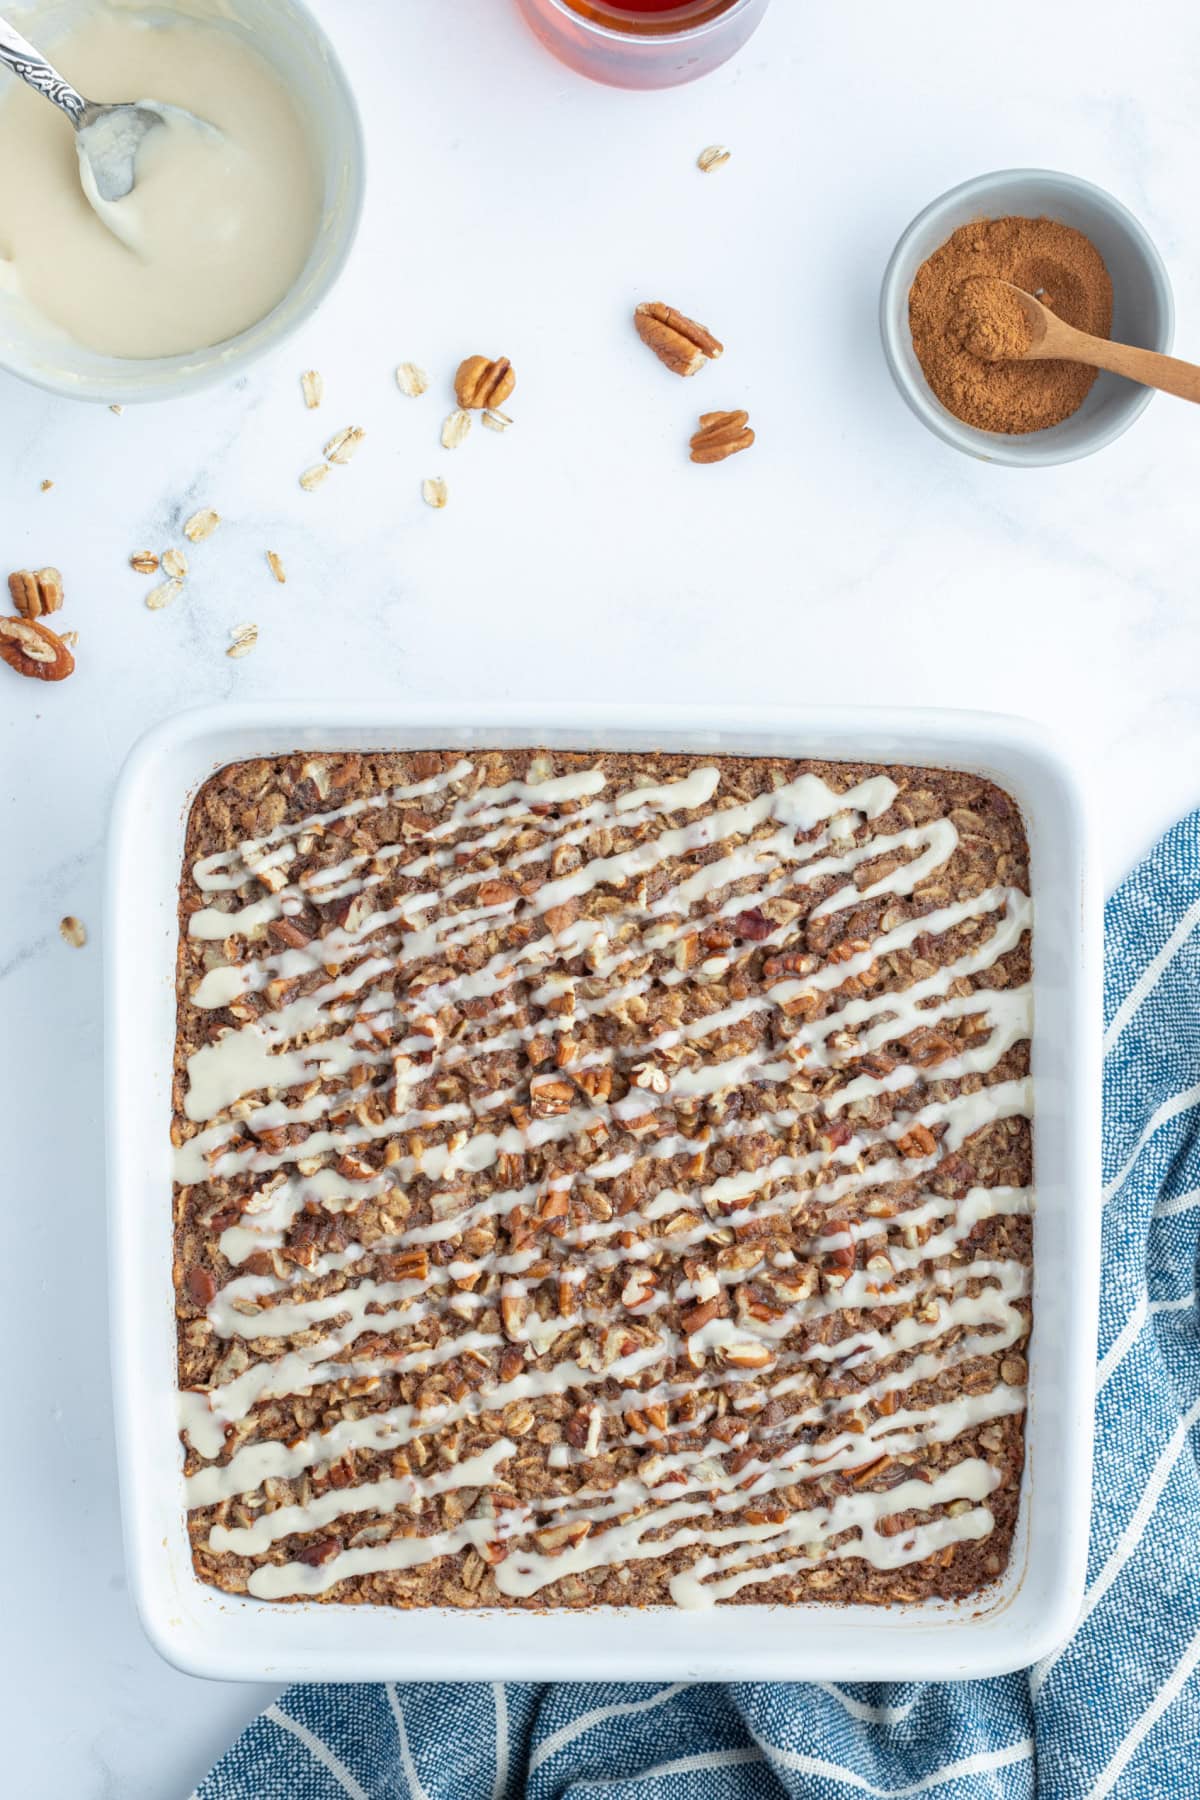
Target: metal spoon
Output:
{"points": [[1052, 338], [107, 138]]}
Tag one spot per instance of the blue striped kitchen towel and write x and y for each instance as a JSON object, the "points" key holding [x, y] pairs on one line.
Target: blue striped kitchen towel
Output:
{"points": [[1117, 1712]]}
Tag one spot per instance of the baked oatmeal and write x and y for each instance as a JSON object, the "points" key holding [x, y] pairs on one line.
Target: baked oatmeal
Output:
{"points": [[602, 1179]]}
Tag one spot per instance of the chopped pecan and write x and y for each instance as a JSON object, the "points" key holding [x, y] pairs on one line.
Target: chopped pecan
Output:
{"points": [[354, 1168], [748, 1356], [498, 893], [554, 1206], [323, 1551], [865, 1472], [697, 1317], [550, 1096], [201, 1286], [652, 1077], [679, 342], [834, 1134], [837, 1267], [918, 1140], [559, 917], [926, 1047], [405, 1265], [288, 933], [512, 1314], [595, 1081]]}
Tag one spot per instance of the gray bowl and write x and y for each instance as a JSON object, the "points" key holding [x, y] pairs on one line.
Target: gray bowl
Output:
{"points": [[1143, 309]]}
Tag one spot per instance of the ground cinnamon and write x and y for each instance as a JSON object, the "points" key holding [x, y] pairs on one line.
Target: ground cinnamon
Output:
{"points": [[965, 326], [990, 321]]}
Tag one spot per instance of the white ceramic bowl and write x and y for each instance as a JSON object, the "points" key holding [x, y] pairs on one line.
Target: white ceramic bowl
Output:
{"points": [[1143, 309], [287, 35], [1026, 1615]]}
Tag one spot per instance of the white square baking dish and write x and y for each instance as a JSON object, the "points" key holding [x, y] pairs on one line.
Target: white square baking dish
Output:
{"points": [[210, 1633]]}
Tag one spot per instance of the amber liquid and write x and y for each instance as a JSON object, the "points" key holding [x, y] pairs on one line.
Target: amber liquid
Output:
{"points": [[650, 18]]}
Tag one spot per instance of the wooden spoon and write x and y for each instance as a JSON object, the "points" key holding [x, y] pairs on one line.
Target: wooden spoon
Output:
{"points": [[1054, 339]]}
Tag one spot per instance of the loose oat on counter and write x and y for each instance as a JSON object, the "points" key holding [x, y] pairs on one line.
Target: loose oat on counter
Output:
{"points": [[602, 1179], [714, 157]]}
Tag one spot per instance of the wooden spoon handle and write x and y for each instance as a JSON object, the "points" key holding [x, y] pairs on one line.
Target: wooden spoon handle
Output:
{"points": [[1167, 373]]}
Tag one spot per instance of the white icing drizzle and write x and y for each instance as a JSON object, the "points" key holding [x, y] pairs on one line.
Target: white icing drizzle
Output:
{"points": [[354, 1017]]}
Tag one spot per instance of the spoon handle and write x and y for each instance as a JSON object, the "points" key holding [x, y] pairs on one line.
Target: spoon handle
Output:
{"points": [[21, 57], [1167, 373]]}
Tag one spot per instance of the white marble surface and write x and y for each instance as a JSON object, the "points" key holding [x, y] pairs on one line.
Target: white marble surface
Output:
{"points": [[517, 209]]}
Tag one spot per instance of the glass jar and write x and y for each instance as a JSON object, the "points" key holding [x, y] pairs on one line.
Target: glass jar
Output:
{"points": [[647, 43]]}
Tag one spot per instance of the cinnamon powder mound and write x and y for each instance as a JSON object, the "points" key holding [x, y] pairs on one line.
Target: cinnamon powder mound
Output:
{"points": [[964, 329], [990, 321]]}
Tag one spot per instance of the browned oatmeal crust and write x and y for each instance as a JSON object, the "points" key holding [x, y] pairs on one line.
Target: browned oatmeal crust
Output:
{"points": [[560, 1053]]}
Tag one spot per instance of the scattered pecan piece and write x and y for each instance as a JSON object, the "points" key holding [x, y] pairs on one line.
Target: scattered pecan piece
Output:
{"points": [[679, 342], [721, 434], [31, 648], [36, 591], [483, 382]]}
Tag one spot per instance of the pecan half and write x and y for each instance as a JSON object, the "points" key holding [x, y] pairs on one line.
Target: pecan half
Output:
{"points": [[679, 342], [36, 591], [483, 382], [31, 648], [721, 434]]}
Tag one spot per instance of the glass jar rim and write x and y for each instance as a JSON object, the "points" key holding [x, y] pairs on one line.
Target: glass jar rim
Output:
{"points": [[687, 34]]}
